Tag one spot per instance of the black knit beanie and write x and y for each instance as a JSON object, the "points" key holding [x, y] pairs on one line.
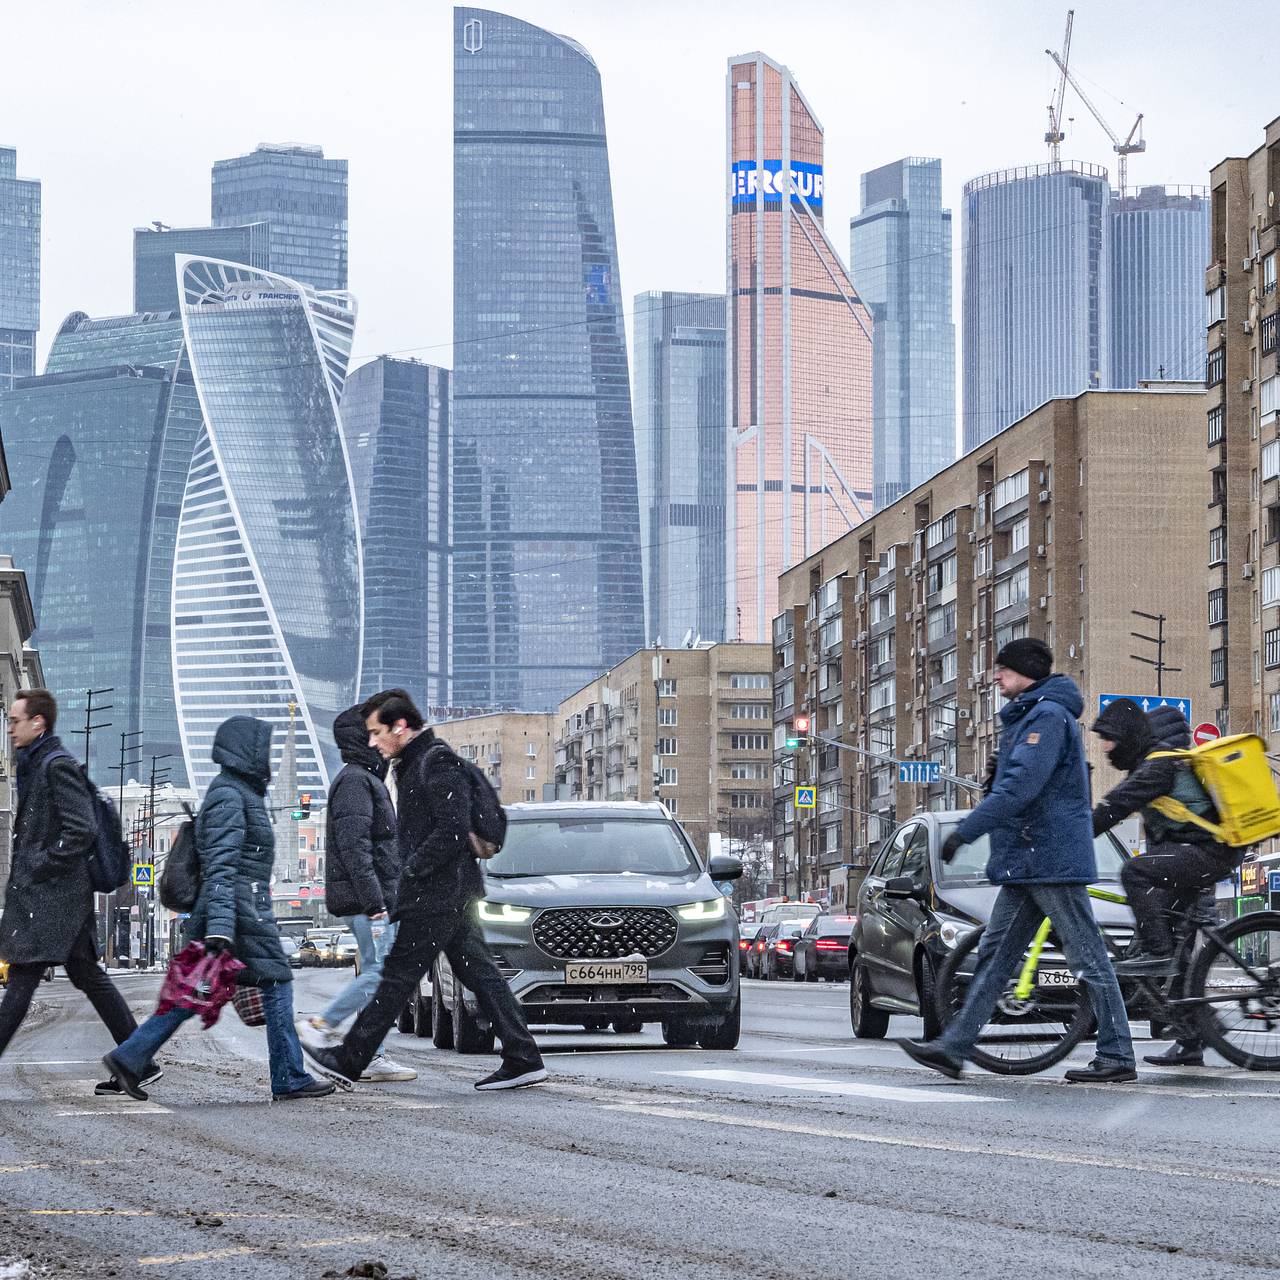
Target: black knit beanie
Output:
{"points": [[1028, 657]]}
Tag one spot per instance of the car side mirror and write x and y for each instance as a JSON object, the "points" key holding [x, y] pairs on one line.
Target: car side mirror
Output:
{"points": [[724, 866], [902, 887]]}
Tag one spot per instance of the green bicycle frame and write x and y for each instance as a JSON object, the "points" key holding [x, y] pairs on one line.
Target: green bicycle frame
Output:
{"points": [[1027, 978]]}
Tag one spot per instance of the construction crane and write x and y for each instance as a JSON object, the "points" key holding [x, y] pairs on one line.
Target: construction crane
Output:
{"points": [[1055, 136], [1132, 145]]}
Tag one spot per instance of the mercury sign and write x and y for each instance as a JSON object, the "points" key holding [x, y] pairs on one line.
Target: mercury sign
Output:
{"points": [[805, 181]]}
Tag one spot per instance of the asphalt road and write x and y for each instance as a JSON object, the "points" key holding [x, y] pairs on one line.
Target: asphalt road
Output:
{"points": [[800, 1154]]}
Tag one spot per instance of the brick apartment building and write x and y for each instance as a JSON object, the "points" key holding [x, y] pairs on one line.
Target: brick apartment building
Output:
{"points": [[514, 749]]}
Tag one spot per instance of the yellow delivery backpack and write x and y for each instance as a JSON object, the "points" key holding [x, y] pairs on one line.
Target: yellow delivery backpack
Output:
{"points": [[1237, 775]]}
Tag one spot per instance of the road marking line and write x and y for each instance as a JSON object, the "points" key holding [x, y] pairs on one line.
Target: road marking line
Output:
{"points": [[214, 1255], [850, 1088], [152, 1213], [54, 1062], [45, 1164], [127, 1109], [956, 1148]]}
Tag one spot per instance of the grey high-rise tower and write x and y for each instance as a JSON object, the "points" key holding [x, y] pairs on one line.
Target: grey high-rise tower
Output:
{"points": [[680, 460], [900, 250], [155, 282], [19, 270], [547, 576], [302, 196]]}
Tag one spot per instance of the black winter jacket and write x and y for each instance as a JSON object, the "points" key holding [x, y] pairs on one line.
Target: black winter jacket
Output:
{"points": [[439, 874], [236, 846], [362, 862], [1138, 734], [49, 898]]}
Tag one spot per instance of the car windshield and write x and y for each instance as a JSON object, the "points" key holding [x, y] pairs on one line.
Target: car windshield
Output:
{"points": [[347, 940], [834, 924], [592, 846], [969, 866]]}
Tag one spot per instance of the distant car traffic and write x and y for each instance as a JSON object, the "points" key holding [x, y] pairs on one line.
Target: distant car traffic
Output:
{"points": [[749, 936], [779, 950], [822, 950], [913, 909], [344, 949], [292, 951]]}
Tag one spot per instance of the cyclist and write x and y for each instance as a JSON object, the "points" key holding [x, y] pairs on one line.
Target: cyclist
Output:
{"points": [[1182, 860]]}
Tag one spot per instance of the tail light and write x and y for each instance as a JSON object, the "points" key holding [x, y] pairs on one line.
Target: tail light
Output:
{"points": [[830, 944], [744, 944], [760, 945], [785, 948]]}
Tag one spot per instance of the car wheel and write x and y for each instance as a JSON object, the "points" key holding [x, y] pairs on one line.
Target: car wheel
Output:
{"points": [[927, 994], [628, 1026], [797, 973], [422, 1016], [677, 1034], [868, 1022], [405, 1019], [724, 1032], [441, 1020], [468, 1035]]}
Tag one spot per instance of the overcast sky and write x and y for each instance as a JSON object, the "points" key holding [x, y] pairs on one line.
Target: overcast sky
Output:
{"points": [[120, 107]]}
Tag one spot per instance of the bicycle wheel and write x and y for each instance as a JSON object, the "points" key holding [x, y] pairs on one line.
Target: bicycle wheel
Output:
{"points": [[1023, 1036], [1242, 979]]}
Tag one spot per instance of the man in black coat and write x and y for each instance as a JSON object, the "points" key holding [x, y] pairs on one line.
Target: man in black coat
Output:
{"points": [[362, 868], [48, 906], [440, 882]]}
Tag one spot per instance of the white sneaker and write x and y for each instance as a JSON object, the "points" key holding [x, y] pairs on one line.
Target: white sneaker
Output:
{"points": [[382, 1069], [316, 1031]]}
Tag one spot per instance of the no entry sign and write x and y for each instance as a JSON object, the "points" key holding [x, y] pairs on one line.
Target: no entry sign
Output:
{"points": [[1206, 732]]}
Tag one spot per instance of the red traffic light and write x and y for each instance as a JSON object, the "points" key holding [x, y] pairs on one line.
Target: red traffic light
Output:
{"points": [[800, 725]]}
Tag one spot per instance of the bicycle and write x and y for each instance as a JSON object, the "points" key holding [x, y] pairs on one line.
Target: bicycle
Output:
{"points": [[1225, 989]]}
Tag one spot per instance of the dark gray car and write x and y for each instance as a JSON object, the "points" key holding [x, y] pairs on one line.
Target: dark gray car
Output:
{"points": [[604, 915]]}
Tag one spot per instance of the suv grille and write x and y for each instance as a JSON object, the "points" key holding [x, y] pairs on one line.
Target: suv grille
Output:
{"points": [[569, 933]]}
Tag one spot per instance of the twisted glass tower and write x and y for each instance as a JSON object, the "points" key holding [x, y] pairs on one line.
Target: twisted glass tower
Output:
{"points": [[267, 583], [547, 584]]}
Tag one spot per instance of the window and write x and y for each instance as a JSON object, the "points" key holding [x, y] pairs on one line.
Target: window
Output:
{"points": [[750, 741], [1013, 589], [531, 772], [1273, 524], [1048, 530], [882, 693], [942, 621], [746, 800], [1019, 534], [666, 688], [1217, 308], [530, 749], [1273, 701], [882, 650], [1270, 457], [1270, 587], [667, 717], [666, 746], [940, 530], [1257, 667], [783, 696], [748, 770], [1217, 666], [884, 605], [1011, 488], [942, 574], [672, 804], [1015, 631], [1215, 367], [1082, 579], [670, 777], [750, 710], [1215, 425], [530, 796], [1218, 486], [982, 559], [1268, 332], [1269, 274], [1269, 397], [1218, 544], [831, 633], [949, 666], [1217, 606], [744, 680]]}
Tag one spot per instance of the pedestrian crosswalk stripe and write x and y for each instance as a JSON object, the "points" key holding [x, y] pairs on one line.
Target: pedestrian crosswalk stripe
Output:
{"points": [[848, 1088]]}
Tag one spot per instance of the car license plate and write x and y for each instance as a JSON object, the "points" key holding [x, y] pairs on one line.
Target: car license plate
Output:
{"points": [[601, 972], [1055, 978]]}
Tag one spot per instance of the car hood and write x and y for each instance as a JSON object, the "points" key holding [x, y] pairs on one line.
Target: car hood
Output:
{"points": [[976, 901], [610, 889]]}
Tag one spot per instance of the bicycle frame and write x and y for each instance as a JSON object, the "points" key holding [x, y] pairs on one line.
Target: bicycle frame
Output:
{"points": [[1027, 978]]}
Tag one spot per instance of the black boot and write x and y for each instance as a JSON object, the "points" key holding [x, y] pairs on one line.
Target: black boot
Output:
{"points": [[1182, 1053]]}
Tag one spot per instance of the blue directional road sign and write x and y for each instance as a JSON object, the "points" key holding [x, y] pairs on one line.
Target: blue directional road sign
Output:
{"points": [[806, 797], [144, 873], [919, 771], [1147, 701]]}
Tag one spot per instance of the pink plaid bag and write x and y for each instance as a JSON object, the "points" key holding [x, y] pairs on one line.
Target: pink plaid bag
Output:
{"points": [[199, 981]]}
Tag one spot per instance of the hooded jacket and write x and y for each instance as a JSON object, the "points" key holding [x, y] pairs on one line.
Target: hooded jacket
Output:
{"points": [[362, 861], [1037, 814], [236, 847], [1137, 734]]}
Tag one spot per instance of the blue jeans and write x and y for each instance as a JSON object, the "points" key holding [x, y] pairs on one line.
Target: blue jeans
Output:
{"points": [[283, 1050], [374, 938], [1017, 914]]}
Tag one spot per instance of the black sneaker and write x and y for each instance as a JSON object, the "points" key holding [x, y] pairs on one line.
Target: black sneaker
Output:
{"points": [[927, 1054], [1099, 1072], [111, 1088], [512, 1075], [1147, 966], [128, 1082], [316, 1089], [326, 1063], [1183, 1053]]}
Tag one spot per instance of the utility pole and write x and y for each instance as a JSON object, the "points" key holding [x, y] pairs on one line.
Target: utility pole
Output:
{"points": [[127, 761], [160, 776], [89, 711], [1159, 641]]}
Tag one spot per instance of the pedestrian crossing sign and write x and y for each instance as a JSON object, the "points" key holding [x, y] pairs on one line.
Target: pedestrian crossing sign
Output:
{"points": [[144, 873], [805, 797]]}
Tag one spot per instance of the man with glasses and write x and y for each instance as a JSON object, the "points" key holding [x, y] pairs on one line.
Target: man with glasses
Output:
{"points": [[1039, 820]]}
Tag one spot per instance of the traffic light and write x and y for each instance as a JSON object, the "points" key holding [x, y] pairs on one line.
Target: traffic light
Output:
{"points": [[304, 804], [798, 730]]}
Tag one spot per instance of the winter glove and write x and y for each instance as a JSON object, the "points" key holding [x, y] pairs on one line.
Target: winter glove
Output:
{"points": [[213, 946], [951, 846], [989, 778]]}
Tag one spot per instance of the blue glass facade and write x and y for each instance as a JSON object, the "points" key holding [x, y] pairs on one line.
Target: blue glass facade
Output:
{"points": [[900, 250], [680, 462], [267, 595], [19, 270], [547, 580], [1159, 251], [1036, 310], [395, 416], [302, 196], [98, 449], [155, 285]]}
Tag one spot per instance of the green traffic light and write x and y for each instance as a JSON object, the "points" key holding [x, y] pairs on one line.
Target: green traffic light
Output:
{"points": [[792, 743]]}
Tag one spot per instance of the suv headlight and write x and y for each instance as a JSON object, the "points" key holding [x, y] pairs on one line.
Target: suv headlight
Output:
{"points": [[507, 912], [954, 932], [713, 909]]}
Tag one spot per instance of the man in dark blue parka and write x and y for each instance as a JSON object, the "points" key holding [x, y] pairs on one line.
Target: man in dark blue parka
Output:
{"points": [[1040, 824]]}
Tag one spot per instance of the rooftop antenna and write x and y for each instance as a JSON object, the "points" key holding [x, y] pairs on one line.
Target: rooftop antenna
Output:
{"points": [[1055, 136]]}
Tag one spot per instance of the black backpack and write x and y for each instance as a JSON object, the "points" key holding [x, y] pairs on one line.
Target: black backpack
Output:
{"points": [[180, 879], [488, 817], [109, 859]]}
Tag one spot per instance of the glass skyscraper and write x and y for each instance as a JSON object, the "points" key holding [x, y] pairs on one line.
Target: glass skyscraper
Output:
{"points": [[19, 270], [267, 594], [303, 198], [680, 448], [98, 448], [395, 416], [1159, 250], [548, 590], [155, 284], [900, 253], [1036, 272]]}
